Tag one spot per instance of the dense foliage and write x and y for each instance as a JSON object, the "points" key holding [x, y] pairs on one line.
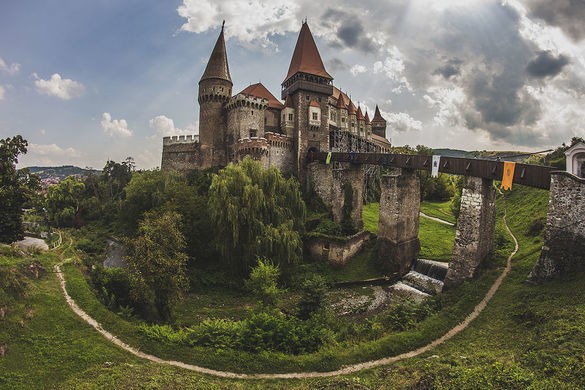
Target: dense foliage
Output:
{"points": [[157, 263], [15, 188], [256, 213]]}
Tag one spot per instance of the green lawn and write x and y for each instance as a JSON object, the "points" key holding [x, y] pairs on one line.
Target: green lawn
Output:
{"points": [[529, 336], [436, 239], [441, 210]]}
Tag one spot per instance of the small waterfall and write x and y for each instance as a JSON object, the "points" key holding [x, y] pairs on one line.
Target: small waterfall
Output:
{"points": [[433, 269]]}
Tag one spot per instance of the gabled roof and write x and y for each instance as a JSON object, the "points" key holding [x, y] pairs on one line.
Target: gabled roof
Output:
{"points": [[306, 57], [377, 116], [337, 93], [314, 104], [217, 66], [260, 91]]}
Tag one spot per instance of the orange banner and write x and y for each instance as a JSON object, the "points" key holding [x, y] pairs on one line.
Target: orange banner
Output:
{"points": [[508, 175]]}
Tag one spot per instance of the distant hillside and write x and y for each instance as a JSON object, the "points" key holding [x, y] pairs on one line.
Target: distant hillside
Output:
{"points": [[484, 155], [60, 173], [455, 153]]}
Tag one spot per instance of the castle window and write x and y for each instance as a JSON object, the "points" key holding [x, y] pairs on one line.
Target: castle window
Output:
{"points": [[342, 120], [307, 97], [252, 111], [253, 133], [319, 100], [290, 117], [315, 116]]}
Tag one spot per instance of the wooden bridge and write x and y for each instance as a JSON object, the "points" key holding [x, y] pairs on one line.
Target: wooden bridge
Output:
{"points": [[529, 175]]}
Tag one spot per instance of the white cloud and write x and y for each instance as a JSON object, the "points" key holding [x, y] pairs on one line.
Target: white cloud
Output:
{"points": [[50, 154], [401, 122], [165, 126], [262, 18], [357, 69], [115, 127], [65, 89], [2, 90], [393, 67], [447, 102], [11, 69]]}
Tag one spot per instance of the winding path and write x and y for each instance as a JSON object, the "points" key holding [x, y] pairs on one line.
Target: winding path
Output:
{"points": [[436, 219], [297, 375]]}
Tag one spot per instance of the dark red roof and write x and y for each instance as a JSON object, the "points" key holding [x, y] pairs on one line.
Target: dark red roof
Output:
{"points": [[314, 104], [217, 66], [351, 108], [359, 114], [381, 140], [377, 116], [306, 57], [288, 102], [260, 91], [367, 118]]}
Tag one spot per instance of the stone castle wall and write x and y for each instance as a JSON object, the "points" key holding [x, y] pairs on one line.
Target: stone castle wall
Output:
{"points": [[564, 239], [281, 152], [181, 153], [337, 252]]}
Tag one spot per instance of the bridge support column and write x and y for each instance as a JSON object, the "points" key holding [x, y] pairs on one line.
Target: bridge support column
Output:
{"points": [[475, 229], [563, 251], [336, 186], [399, 220]]}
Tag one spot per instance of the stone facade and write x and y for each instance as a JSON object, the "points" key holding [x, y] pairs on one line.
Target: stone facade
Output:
{"points": [[399, 221], [564, 239], [180, 153], [474, 238], [328, 183], [337, 252]]}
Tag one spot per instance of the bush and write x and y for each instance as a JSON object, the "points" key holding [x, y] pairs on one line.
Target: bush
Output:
{"points": [[262, 282], [163, 333], [313, 296], [218, 334]]}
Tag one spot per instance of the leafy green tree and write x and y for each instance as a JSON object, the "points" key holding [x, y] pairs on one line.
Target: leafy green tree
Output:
{"points": [[64, 201], [313, 291], [13, 193], [157, 262], [263, 282], [257, 213]]}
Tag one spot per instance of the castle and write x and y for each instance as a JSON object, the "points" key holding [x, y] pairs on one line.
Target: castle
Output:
{"points": [[315, 116]]}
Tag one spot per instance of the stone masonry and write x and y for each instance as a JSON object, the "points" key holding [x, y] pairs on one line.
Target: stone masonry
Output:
{"points": [[328, 184], [399, 221], [475, 229], [564, 238]]}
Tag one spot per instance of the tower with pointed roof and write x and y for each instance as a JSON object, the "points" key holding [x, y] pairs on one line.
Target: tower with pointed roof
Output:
{"points": [[379, 124], [215, 89], [308, 86]]}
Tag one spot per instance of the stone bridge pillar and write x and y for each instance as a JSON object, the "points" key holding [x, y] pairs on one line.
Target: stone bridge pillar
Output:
{"points": [[331, 184], [564, 238], [399, 220], [475, 229]]}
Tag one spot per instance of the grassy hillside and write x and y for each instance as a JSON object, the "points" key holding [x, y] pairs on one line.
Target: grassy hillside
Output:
{"points": [[529, 336]]}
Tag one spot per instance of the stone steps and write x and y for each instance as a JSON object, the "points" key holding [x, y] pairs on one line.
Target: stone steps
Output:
{"points": [[423, 282]]}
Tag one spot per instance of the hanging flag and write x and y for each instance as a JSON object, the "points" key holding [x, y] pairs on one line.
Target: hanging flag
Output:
{"points": [[436, 163], [328, 160], [508, 175]]}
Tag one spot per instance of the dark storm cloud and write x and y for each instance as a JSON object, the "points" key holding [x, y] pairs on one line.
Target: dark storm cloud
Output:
{"points": [[569, 15], [349, 30], [449, 69], [545, 64], [335, 65]]}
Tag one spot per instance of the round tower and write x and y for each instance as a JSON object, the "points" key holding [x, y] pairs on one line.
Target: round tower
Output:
{"points": [[215, 88]]}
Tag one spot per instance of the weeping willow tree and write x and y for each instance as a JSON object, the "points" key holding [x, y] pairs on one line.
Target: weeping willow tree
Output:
{"points": [[257, 213]]}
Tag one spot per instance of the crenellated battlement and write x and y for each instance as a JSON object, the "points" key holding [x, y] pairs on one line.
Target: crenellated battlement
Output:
{"points": [[279, 140], [241, 100], [180, 139]]}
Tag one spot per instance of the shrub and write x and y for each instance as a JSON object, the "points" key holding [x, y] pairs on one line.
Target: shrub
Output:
{"points": [[262, 282], [313, 296], [163, 333], [218, 334]]}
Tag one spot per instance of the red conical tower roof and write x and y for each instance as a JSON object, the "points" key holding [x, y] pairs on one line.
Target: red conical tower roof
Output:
{"points": [[359, 114], [306, 57], [217, 66], [377, 116], [367, 118], [351, 108]]}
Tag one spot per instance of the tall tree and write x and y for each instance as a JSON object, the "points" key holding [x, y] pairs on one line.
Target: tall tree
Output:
{"points": [[12, 189], [257, 213], [64, 201], [157, 262]]}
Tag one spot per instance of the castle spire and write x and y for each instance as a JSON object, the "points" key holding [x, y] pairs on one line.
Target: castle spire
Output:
{"points": [[217, 66], [377, 115], [306, 57]]}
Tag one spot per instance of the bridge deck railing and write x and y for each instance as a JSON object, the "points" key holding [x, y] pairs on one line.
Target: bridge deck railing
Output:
{"points": [[530, 175]]}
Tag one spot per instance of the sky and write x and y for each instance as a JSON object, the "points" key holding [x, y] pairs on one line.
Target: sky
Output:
{"points": [[87, 81]]}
